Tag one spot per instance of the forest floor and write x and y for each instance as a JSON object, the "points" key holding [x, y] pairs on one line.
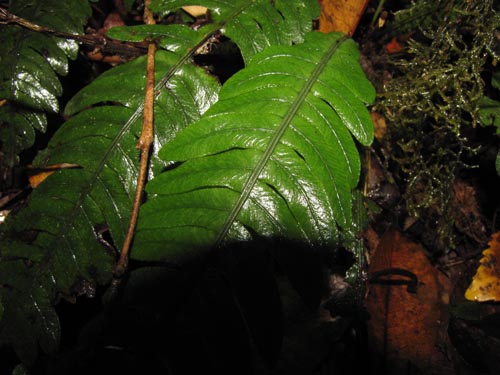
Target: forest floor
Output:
{"points": [[424, 251], [440, 327]]}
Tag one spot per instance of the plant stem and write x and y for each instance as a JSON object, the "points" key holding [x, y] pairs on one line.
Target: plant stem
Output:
{"points": [[144, 145]]}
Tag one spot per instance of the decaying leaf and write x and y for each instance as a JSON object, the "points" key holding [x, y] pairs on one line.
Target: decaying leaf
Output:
{"points": [[485, 284], [341, 15], [406, 328]]}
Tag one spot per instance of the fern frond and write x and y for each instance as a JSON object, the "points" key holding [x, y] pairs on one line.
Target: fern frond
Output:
{"points": [[30, 64]]}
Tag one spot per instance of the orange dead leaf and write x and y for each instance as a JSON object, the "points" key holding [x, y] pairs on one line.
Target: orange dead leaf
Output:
{"points": [[407, 328], [485, 284], [397, 44], [38, 175], [341, 15], [394, 46]]}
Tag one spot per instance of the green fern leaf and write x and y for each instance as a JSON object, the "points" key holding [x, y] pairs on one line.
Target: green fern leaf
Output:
{"points": [[175, 38], [56, 235], [66, 211], [253, 25], [274, 156], [31, 306], [30, 63]]}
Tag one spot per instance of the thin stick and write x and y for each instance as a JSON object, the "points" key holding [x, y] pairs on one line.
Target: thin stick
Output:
{"points": [[144, 145], [91, 40]]}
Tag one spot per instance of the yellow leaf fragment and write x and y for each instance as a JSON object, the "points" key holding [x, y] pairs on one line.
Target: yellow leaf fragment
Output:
{"points": [[38, 175], [195, 10], [485, 285]]}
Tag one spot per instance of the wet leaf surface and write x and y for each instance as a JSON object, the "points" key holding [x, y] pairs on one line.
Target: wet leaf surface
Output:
{"points": [[254, 161]]}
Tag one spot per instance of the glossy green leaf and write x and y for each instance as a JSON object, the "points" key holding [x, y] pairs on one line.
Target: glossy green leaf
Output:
{"points": [[57, 234], [171, 37], [31, 320], [185, 93], [67, 210], [274, 157], [253, 25], [30, 63], [17, 131], [102, 140]]}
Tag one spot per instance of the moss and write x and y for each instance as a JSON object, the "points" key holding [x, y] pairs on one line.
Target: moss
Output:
{"points": [[432, 102]]}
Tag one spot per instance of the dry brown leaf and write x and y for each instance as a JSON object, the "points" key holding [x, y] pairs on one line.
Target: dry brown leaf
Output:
{"points": [[341, 15], [485, 284], [380, 125], [113, 19], [38, 175], [195, 10], [407, 329]]}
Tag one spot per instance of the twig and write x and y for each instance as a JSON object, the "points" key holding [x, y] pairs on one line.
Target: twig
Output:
{"points": [[144, 145], [94, 40]]}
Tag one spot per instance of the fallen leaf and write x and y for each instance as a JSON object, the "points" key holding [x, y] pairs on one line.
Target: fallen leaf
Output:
{"points": [[485, 284], [380, 125], [341, 15], [394, 46], [38, 175], [195, 10], [407, 329], [112, 20], [397, 44]]}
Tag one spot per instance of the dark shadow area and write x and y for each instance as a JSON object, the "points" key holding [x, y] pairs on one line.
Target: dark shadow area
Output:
{"points": [[249, 308]]}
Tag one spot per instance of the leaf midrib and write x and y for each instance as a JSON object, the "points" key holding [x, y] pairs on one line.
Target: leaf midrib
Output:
{"points": [[283, 126]]}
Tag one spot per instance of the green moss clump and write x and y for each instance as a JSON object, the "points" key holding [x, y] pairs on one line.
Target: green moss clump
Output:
{"points": [[432, 102]]}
